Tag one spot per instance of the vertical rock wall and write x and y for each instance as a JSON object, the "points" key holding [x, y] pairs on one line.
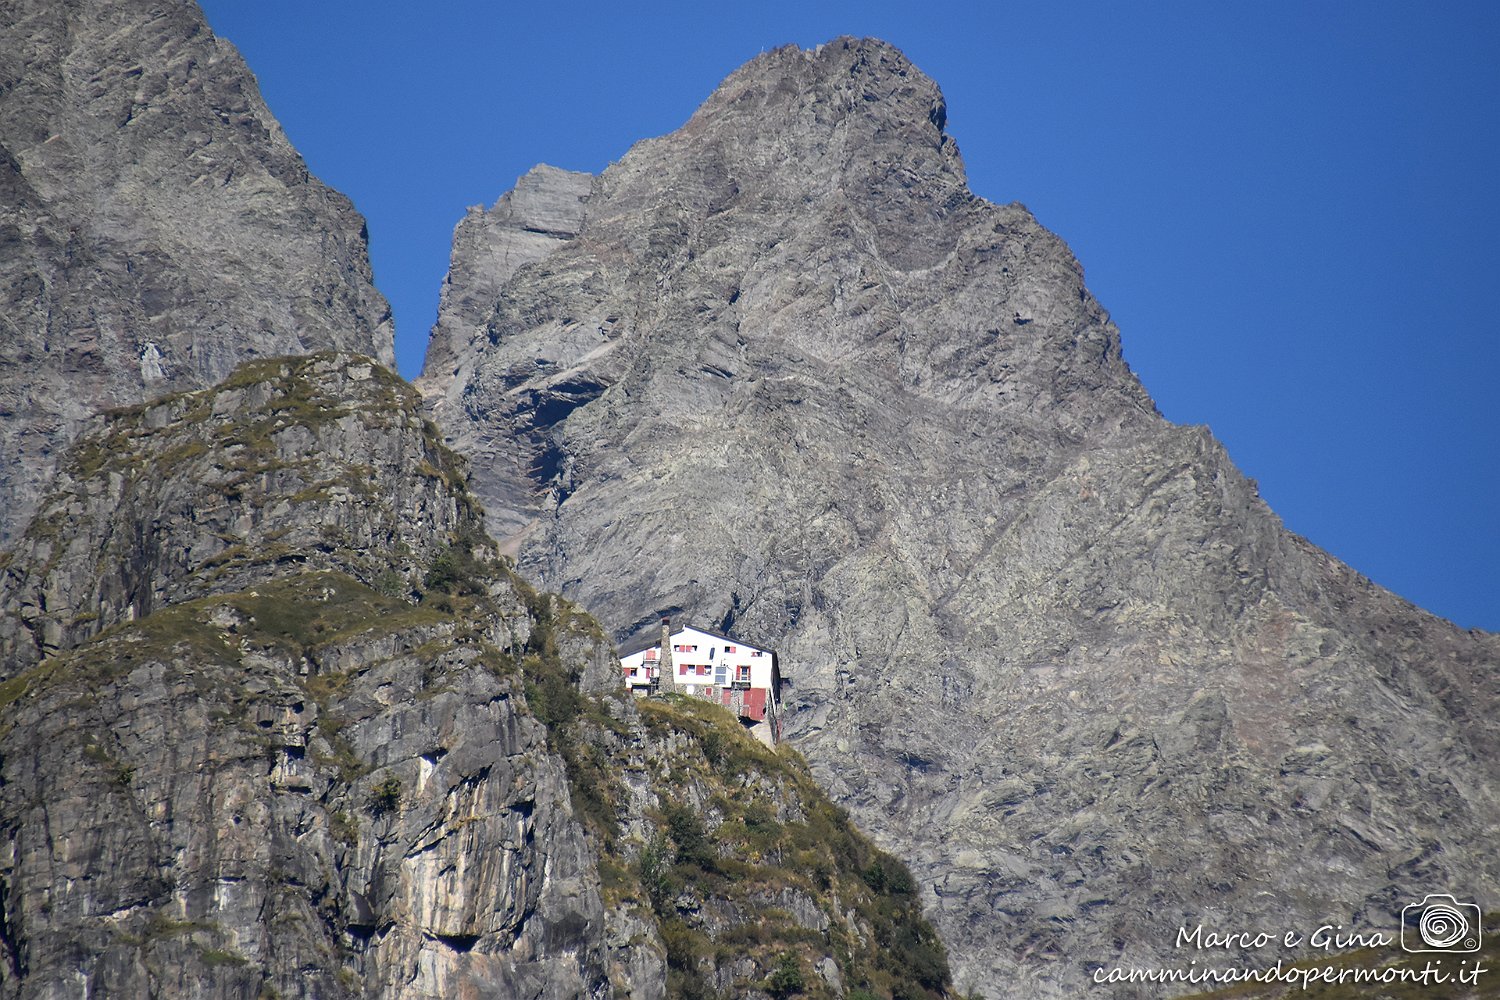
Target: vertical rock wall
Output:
{"points": [[251, 763]]}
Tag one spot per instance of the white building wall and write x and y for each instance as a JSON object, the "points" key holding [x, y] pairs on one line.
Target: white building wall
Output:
{"points": [[637, 669], [738, 661]]}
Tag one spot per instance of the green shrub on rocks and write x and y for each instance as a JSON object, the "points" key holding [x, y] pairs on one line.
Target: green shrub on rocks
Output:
{"points": [[385, 797], [786, 979]]}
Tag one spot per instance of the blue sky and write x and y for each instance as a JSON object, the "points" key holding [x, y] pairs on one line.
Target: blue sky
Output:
{"points": [[1290, 209]]}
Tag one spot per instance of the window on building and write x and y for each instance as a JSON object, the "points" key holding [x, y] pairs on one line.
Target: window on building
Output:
{"points": [[730, 649]]}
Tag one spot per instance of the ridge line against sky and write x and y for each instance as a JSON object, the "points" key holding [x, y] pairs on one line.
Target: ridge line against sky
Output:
{"points": [[1289, 209]]}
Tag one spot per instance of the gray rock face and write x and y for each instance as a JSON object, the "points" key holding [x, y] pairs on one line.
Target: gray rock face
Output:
{"points": [[543, 211], [156, 227], [197, 807], [269, 777], [792, 378], [319, 463]]}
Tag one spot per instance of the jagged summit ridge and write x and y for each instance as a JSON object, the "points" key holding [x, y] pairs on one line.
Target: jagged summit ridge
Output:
{"points": [[852, 121], [792, 377], [862, 83]]}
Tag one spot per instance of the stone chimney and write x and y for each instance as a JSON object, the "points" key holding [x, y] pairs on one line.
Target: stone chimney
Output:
{"points": [[668, 672]]}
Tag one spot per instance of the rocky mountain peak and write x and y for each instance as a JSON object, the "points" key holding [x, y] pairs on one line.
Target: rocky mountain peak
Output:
{"points": [[850, 128], [863, 82], [800, 220], [791, 378]]}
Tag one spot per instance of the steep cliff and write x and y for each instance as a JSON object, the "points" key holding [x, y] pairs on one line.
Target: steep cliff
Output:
{"points": [[156, 227], [545, 210], [791, 377], [280, 721], [254, 766]]}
